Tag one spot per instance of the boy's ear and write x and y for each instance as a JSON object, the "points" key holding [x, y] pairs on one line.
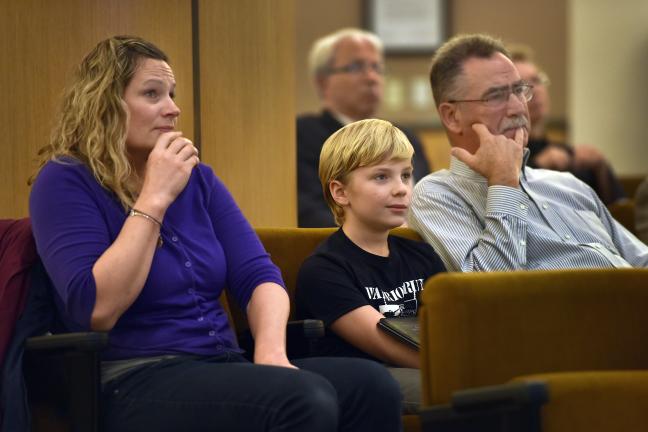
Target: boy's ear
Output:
{"points": [[450, 116], [338, 192]]}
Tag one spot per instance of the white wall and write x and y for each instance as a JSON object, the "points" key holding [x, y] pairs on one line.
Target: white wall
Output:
{"points": [[608, 79]]}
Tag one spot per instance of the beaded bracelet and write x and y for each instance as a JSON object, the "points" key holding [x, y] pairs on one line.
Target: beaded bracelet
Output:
{"points": [[135, 212]]}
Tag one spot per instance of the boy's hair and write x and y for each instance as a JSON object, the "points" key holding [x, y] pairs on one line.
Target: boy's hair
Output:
{"points": [[362, 143]]}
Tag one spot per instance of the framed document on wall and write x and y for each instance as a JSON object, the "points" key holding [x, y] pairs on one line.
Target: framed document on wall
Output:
{"points": [[408, 26]]}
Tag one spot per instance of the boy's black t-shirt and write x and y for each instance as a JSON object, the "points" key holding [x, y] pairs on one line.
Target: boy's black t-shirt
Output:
{"points": [[340, 277]]}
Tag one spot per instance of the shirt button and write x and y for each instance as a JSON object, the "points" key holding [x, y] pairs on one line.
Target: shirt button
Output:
{"points": [[567, 236], [523, 206], [219, 346], [201, 318], [522, 243], [187, 264], [174, 238], [545, 206], [191, 291], [212, 332]]}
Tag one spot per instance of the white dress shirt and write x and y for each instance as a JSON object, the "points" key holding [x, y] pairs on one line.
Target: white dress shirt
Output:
{"points": [[553, 221]]}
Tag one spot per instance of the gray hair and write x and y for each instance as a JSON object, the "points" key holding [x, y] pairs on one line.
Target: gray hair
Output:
{"points": [[321, 54], [447, 63]]}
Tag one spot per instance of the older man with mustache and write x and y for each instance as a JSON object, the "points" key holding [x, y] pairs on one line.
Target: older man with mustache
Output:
{"points": [[490, 211]]}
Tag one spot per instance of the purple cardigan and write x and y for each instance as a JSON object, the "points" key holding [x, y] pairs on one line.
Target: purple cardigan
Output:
{"points": [[208, 245]]}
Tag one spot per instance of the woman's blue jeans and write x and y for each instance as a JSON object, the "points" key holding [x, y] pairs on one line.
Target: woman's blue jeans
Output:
{"points": [[228, 393]]}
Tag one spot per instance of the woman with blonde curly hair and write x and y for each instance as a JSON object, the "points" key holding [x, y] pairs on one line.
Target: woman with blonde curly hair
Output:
{"points": [[140, 238]]}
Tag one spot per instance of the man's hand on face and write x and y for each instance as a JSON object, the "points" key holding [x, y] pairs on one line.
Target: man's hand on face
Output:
{"points": [[498, 158]]}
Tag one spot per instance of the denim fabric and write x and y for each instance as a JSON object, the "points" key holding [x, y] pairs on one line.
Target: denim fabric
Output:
{"points": [[227, 393]]}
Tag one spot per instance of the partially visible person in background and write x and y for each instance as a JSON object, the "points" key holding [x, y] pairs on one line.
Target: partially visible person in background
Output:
{"points": [[641, 211], [347, 68], [585, 162]]}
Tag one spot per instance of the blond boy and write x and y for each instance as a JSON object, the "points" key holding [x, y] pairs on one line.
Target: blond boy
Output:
{"points": [[361, 274]]}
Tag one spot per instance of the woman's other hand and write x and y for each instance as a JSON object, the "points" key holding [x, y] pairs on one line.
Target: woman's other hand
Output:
{"points": [[273, 359], [267, 314]]}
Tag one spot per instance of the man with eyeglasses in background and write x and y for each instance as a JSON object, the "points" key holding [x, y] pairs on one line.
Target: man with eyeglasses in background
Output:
{"points": [[584, 161], [347, 68], [489, 211]]}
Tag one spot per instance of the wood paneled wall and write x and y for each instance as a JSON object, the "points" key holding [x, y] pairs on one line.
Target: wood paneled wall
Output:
{"points": [[541, 24], [247, 98], [42, 42], [247, 87]]}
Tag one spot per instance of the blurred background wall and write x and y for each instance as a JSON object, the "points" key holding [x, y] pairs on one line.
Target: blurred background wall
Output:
{"points": [[608, 84], [233, 62], [594, 51], [241, 71], [539, 24]]}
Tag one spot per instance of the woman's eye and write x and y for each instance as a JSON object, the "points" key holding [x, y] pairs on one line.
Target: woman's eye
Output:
{"points": [[380, 177], [150, 93]]}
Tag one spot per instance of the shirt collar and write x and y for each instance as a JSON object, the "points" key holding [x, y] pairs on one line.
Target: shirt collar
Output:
{"points": [[345, 120]]}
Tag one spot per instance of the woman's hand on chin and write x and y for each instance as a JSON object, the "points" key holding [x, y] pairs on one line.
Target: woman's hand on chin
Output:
{"points": [[168, 169]]}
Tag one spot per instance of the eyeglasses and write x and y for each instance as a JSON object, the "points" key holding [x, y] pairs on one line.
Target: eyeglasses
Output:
{"points": [[540, 79], [357, 68], [499, 97]]}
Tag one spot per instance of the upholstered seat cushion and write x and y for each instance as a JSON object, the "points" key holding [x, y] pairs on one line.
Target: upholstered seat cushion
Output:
{"points": [[595, 401], [488, 328]]}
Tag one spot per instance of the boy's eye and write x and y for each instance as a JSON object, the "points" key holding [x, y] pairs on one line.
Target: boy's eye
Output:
{"points": [[380, 177], [407, 176]]}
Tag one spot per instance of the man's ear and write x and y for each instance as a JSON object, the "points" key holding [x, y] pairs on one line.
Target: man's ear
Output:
{"points": [[338, 192], [450, 117], [321, 82]]}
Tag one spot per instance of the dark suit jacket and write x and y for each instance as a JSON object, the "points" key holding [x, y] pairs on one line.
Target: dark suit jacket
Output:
{"points": [[602, 178], [312, 131]]}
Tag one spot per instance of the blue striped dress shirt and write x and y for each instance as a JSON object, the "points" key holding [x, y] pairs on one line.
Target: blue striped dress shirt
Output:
{"points": [[553, 221]]}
